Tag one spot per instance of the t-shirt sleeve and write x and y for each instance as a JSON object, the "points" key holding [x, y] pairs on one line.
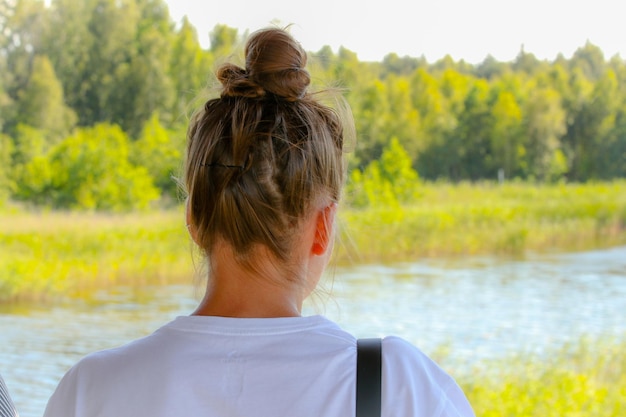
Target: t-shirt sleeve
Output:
{"points": [[62, 403], [414, 385]]}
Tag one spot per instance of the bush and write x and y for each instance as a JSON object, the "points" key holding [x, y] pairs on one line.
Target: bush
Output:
{"points": [[88, 170]]}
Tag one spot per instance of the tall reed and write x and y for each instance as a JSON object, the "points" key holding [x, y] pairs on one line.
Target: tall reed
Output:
{"points": [[48, 254], [586, 379], [487, 218]]}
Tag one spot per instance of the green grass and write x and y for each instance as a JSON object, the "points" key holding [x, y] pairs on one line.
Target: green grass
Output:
{"points": [[582, 380], [51, 254], [46, 255], [450, 220]]}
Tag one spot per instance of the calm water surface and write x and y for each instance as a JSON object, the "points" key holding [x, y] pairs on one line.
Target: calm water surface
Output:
{"points": [[478, 308]]}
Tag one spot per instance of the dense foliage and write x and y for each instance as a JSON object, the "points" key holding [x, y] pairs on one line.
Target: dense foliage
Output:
{"points": [[95, 95]]}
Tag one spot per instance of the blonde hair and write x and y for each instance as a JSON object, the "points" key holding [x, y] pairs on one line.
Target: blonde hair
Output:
{"points": [[265, 151]]}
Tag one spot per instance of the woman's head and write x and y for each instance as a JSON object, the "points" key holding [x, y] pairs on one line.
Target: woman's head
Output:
{"points": [[264, 154]]}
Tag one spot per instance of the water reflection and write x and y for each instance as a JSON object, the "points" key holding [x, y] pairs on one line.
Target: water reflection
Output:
{"points": [[480, 307]]}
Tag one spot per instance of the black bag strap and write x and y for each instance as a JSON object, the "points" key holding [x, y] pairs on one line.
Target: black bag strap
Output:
{"points": [[368, 377]]}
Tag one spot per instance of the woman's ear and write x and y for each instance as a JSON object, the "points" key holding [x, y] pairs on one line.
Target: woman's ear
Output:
{"points": [[324, 229]]}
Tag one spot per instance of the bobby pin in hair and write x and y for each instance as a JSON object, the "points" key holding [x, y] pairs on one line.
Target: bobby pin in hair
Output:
{"points": [[222, 165]]}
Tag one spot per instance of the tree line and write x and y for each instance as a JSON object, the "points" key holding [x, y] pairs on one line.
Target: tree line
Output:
{"points": [[95, 96]]}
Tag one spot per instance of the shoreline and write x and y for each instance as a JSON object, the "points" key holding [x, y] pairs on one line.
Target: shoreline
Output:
{"points": [[47, 255]]}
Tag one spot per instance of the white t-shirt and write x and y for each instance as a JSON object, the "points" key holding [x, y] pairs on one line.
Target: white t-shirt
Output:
{"points": [[232, 367]]}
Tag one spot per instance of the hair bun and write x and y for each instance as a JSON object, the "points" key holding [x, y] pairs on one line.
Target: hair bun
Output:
{"points": [[276, 62], [236, 83]]}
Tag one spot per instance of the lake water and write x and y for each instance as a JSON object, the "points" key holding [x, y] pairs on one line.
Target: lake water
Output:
{"points": [[477, 308]]}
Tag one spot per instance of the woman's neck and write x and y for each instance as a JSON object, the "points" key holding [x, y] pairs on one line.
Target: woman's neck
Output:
{"points": [[236, 291]]}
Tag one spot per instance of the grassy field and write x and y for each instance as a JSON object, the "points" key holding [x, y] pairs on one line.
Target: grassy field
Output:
{"points": [[584, 380], [49, 254], [46, 255], [509, 219]]}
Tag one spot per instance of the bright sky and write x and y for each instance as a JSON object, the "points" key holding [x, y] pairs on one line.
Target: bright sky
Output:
{"points": [[464, 29]]}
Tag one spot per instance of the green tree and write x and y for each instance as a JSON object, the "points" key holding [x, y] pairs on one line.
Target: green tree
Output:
{"points": [[31, 171], [428, 100], [396, 65], [370, 116], [404, 123], [21, 26], [189, 70], [90, 44], [588, 123], [490, 68], [368, 189], [455, 86], [613, 145], [608, 107], [5, 103], [4, 97], [473, 133], [589, 59], [348, 71], [224, 40], [322, 61], [386, 182], [160, 152], [613, 148], [506, 134], [41, 105], [545, 122], [112, 57], [6, 184], [442, 153], [397, 169], [29, 143], [526, 62], [70, 43], [89, 170], [143, 86], [437, 119]]}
